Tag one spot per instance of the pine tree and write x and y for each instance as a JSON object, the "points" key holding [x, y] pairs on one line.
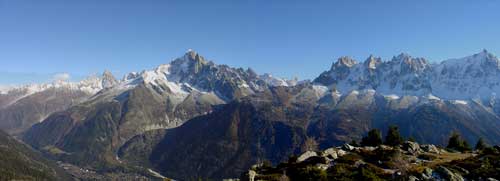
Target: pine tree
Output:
{"points": [[465, 146], [480, 145], [393, 137], [412, 139], [456, 143], [354, 143], [374, 138]]}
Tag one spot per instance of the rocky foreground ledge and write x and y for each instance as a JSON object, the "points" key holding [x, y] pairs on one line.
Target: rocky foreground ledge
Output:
{"points": [[409, 161]]}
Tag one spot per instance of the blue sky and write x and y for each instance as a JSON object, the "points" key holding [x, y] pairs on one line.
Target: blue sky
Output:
{"points": [[286, 38]]}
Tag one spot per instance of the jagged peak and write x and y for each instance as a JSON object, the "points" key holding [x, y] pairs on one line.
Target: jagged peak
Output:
{"points": [[107, 73], [344, 61], [372, 62], [407, 58], [478, 58], [191, 60], [407, 62], [402, 55], [192, 55], [108, 79], [484, 54], [130, 76], [251, 72]]}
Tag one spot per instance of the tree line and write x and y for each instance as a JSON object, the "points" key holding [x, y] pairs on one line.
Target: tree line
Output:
{"points": [[394, 138]]}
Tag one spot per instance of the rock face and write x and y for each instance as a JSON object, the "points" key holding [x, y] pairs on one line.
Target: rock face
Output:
{"points": [[411, 147], [347, 147]]}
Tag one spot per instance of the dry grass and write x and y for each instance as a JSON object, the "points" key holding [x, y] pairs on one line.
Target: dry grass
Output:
{"points": [[440, 159]]}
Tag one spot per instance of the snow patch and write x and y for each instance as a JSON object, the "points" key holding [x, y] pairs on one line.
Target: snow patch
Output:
{"points": [[391, 96], [462, 102], [432, 97], [273, 81], [320, 90], [4, 89], [156, 174]]}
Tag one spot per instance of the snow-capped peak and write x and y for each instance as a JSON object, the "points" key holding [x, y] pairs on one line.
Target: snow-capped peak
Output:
{"points": [[475, 76], [275, 81], [408, 64], [4, 89], [89, 85], [482, 60]]}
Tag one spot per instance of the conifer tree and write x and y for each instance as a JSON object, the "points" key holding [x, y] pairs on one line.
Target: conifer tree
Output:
{"points": [[393, 137], [480, 145], [457, 143], [374, 138]]}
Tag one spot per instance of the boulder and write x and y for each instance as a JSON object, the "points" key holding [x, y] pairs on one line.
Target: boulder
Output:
{"points": [[323, 166], [348, 147], [306, 155], [359, 163], [430, 149], [411, 147], [249, 176], [413, 178], [448, 175], [385, 147], [330, 153], [497, 147], [341, 153], [368, 148], [256, 166], [427, 174]]}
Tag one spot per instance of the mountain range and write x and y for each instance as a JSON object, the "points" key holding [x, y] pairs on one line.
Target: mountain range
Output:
{"points": [[192, 118]]}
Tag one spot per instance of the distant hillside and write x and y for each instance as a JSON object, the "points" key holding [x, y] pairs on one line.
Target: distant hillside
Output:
{"points": [[19, 162]]}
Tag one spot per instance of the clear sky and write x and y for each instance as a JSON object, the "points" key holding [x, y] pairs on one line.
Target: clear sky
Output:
{"points": [[286, 38]]}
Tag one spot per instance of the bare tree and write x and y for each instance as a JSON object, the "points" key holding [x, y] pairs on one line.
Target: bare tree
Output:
{"points": [[310, 144]]}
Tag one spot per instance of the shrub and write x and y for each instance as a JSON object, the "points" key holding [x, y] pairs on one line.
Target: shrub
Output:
{"points": [[309, 144], [427, 157], [412, 139], [341, 171], [368, 174], [489, 150], [308, 173]]}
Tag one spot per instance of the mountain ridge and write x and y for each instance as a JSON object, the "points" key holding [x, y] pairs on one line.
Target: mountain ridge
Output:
{"points": [[347, 74], [152, 114]]}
